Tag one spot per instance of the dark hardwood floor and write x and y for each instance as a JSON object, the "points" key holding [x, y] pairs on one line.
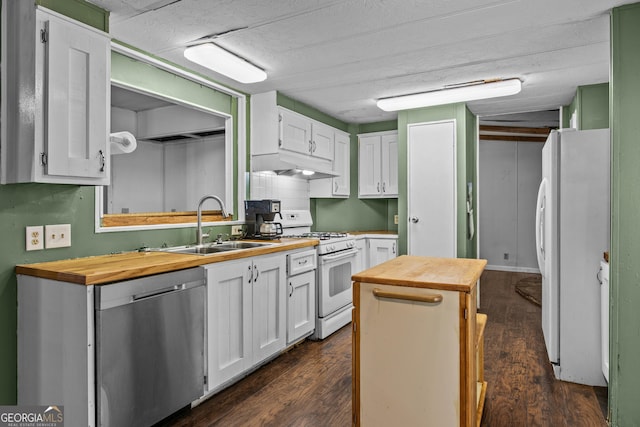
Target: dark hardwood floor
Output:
{"points": [[311, 384]]}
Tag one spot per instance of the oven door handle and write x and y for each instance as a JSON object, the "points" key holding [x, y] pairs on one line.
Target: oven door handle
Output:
{"points": [[346, 254]]}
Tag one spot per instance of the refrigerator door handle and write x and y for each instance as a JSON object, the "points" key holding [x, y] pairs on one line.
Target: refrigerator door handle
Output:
{"points": [[540, 214]]}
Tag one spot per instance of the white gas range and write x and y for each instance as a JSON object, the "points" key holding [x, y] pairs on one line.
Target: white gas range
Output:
{"points": [[336, 263]]}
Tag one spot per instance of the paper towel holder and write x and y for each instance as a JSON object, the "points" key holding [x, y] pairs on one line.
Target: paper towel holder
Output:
{"points": [[122, 142]]}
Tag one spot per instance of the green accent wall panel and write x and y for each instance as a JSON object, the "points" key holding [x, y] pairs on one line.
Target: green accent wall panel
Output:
{"points": [[139, 75], [304, 109], [81, 11], [624, 385], [593, 109]]}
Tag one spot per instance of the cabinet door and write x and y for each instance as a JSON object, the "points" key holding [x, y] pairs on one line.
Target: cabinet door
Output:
{"points": [[228, 321], [268, 286], [301, 305], [389, 170], [381, 250], [322, 141], [369, 166], [411, 350], [341, 165], [77, 72], [295, 132]]}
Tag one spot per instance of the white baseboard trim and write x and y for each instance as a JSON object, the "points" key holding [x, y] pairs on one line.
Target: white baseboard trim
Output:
{"points": [[512, 269]]}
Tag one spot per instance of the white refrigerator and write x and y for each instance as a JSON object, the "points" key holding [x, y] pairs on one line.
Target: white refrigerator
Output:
{"points": [[572, 232]]}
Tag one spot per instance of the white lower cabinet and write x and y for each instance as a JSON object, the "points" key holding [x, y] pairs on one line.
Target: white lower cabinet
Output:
{"points": [[301, 306], [245, 315], [381, 250], [301, 292], [374, 249], [361, 256]]}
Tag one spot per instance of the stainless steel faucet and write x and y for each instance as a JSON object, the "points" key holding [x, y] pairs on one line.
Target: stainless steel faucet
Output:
{"points": [[200, 203]]}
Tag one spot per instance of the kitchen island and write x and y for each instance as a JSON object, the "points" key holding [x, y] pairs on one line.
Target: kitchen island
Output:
{"points": [[416, 343]]}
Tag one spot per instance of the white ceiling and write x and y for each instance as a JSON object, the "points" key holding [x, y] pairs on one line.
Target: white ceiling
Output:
{"points": [[340, 56]]}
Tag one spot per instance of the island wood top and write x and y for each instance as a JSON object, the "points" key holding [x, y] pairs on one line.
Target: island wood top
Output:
{"points": [[103, 269], [456, 274]]}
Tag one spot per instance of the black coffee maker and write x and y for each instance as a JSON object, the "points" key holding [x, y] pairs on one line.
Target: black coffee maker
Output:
{"points": [[259, 217]]}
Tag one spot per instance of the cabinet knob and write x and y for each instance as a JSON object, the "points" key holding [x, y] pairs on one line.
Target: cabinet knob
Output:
{"points": [[414, 219]]}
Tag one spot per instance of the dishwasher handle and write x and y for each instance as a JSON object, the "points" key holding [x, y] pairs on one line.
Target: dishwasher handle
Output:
{"points": [[155, 293]]}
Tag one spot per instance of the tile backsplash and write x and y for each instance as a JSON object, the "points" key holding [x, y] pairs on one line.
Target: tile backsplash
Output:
{"points": [[292, 192]]}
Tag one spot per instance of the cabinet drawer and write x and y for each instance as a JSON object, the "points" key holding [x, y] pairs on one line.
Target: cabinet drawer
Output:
{"points": [[301, 261]]}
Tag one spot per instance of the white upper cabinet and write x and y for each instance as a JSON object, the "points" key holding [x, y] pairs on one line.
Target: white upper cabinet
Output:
{"points": [[389, 168], [339, 185], [378, 165], [282, 139], [295, 132], [341, 164], [322, 139], [55, 115]]}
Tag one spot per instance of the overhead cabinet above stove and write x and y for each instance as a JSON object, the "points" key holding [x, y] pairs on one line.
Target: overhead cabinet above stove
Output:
{"points": [[288, 142], [55, 98]]}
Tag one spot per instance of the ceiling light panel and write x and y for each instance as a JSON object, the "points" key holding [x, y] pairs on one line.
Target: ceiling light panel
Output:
{"points": [[224, 62], [471, 92]]}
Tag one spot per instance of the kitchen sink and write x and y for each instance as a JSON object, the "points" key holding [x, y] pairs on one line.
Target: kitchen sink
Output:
{"points": [[242, 245], [214, 248]]}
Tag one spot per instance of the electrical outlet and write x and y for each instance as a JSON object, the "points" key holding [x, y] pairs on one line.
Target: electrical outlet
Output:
{"points": [[395, 219], [236, 230], [35, 238], [57, 235]]}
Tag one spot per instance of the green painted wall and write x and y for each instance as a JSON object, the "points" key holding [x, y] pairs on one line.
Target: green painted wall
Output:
{"points": [[593, 106], [625, 205], [354, 214], [304, 109], [466, 142], [22, 205]]}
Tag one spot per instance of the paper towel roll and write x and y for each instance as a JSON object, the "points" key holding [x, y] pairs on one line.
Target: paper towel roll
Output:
{"points": [[122, 142]]}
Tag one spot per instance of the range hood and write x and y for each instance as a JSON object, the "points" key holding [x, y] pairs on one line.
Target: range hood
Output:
{"points": [[291, 164]]}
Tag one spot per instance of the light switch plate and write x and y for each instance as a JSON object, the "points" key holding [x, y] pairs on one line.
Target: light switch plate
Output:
{"points": [[57, 235], [236, 230], [35, 238], [395, 219]]}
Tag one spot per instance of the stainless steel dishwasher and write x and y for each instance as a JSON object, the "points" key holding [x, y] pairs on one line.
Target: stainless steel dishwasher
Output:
{"points": [[149, 347]]}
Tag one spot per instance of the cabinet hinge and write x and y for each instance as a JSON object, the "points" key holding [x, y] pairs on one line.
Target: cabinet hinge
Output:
{"points": [[353, 325], [466, 314], [43, 159], [205, 379], [43, 36], [355, 419]]}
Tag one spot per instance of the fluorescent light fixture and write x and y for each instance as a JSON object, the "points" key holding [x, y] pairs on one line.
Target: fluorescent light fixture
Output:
{"points": [[481, 89], [307, 172], [224, 62]]}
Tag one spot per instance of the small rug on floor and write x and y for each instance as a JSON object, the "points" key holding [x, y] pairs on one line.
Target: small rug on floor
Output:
{"points": [[530, 288]]}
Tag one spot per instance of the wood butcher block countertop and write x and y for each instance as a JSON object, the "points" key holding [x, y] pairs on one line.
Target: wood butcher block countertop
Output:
{"points": [[103, 269], [456, 274]]}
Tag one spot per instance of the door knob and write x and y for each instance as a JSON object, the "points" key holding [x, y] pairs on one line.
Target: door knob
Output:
{"points": [[414, 219]]}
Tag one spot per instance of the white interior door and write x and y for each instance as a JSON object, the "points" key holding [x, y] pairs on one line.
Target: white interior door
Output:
{"points": [[432, 189]]}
